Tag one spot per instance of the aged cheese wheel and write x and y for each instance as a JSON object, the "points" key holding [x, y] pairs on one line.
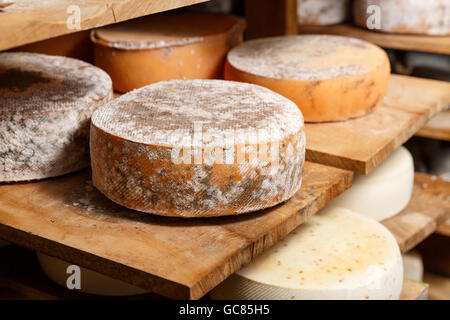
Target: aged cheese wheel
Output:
{"points": [[413, 266], [430, 17], [322, 12], [165, 47], [198, 148], [337, 254], [45, 106], [90, 281], [385, 191], [330, 78]]}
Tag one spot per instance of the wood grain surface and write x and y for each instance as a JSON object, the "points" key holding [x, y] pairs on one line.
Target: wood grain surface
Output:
{"points": [[439, 286], [414, 290], [360, 145], [177, 258], [437, 128]]}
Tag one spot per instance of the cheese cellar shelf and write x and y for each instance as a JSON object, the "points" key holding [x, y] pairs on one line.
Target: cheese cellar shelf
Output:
{"points": [[437, 128], [27, 21]]}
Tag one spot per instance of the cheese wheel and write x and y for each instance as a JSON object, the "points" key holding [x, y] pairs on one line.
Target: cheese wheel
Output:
{"points": [[413, 266], [90, 281], [198, 148], [45, 106], [330, 78], [430, 17], [385, 191], [322, 12], [337, 254], [165, 47]]}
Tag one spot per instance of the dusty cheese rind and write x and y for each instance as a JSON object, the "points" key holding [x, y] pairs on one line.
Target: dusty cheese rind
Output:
{"points": [[90, 281], [184, 148], [385, 191], [337, 254], [45, 106], [330, 78], [165, 47], [322, 12], [430, 17]]}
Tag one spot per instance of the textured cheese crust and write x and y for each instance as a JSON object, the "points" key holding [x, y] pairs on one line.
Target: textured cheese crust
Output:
{"points": [[337, 254], [385, 191], [45, 106], [166, 47], [188, 148], [430, 17], [413, 266], [322, 12], [91, 281], [330, 78]]}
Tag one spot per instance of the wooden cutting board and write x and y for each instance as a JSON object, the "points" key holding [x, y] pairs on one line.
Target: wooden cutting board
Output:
{"points": [[178, 258], [360, 145]]}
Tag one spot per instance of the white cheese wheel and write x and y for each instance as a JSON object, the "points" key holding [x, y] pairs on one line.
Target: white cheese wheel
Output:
{"points": [[45, 106], [431, 17], [413, 266], [385, 191], [330, 78], [90, 281], [336, 254], [196, 148], [322, 12]]}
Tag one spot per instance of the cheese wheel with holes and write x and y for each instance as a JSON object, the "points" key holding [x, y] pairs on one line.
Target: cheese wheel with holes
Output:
{"points": [[46, 103], [90, 281], [330, 78], [198, 148], [322, 12], [385, 191], [336, 255], [430, 17], [166, 47]]}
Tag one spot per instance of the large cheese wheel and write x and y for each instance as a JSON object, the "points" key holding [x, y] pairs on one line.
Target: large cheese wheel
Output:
{"points": [[322, 12], [165, 47], [330, 78], [385, 191], [336, 254], [45, 106], [196, 148], [430, 17], [413, 266], [90, 281]]}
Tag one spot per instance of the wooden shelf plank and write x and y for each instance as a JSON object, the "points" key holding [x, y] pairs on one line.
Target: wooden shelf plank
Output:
{"points": [[427, 209], [432, 44], [413, 290], [437, 128], [28, 21], [67, 218], [444, 229], [439, 286], [360, 145]]}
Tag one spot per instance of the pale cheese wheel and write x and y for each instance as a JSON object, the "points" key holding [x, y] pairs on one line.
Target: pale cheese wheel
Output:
{"points": [[330, 78], [166, 47], [385, 191], [45, 107], [197, 148], [336, 254], [413, 266], [90, 281], [322, 12], [431, 17]]}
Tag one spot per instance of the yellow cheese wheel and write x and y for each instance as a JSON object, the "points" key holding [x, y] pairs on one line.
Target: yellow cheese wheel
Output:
{"points": [[198, 148], [46, 103], [330, 78], [165, 47]]}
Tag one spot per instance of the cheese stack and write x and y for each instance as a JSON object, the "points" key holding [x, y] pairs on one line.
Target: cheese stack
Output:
{"points": [[198, 148], [45, 106], [430, 17], [330, 78], [90, 281], [337, 254], [385, 191], [165, 47], [322, 12]]}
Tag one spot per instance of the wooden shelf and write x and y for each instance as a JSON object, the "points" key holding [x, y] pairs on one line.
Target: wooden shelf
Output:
{"points": [[413, 290], [360, 145], [428, 208], [437, 128], [67, 218], [444, 229], [29, 21], [439, 286], [432, 44]]}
